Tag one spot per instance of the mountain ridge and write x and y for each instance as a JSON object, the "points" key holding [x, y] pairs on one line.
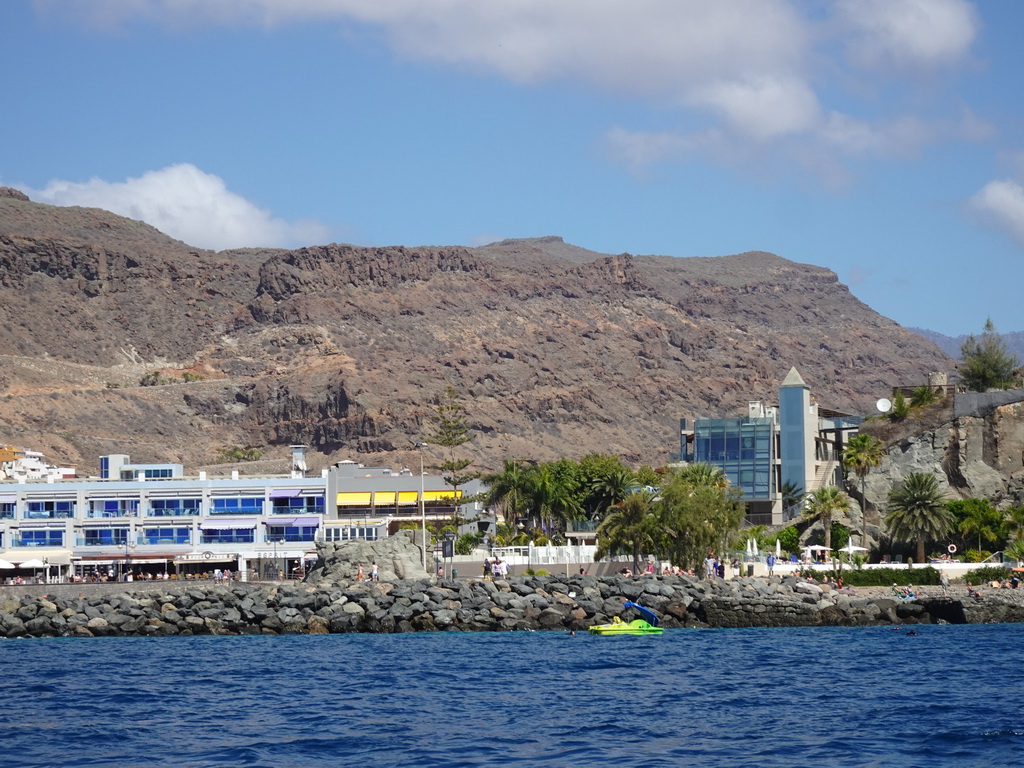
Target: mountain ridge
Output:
{"points": [[558, 350]]}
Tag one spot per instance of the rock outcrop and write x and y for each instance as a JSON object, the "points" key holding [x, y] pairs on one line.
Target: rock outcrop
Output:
{"points": [[976, 451], [397, 557]]}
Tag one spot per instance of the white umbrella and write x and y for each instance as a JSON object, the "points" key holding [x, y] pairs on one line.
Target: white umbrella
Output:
{"points": [[756, 553], [850, 549], [819, 548], [7, 564], [33, 564], [750, 547], [778, 549]]}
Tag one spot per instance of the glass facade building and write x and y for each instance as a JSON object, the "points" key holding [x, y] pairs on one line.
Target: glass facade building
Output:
{"points": [[744, 449]]}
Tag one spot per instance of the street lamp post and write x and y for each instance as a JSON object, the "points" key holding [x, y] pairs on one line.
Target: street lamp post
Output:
{"points": [[423, 509]]}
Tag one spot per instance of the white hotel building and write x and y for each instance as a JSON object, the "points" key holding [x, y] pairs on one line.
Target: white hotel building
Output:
{"points": [[151, 518]]}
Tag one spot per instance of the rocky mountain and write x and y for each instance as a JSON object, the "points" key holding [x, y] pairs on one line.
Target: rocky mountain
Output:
{"points": [[557, 350]]}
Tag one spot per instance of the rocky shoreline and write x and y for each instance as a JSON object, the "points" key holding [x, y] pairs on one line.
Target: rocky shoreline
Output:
{"points": [[530, 603]]}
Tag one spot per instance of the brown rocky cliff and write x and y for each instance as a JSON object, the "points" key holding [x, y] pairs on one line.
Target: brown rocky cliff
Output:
{"points": [[559, 351]]}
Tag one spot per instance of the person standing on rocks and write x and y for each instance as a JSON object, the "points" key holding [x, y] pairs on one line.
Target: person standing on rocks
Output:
{"points": [[359, 571], [374, 574], [944, 581], [771, 566]]}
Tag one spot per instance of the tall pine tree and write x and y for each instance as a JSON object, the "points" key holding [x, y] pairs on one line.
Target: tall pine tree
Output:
{"points": [[451, 431]]}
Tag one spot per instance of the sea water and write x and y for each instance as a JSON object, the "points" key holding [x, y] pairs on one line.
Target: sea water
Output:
{"points": [[878, 696]]}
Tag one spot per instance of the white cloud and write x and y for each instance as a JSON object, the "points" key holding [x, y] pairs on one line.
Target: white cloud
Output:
{"points": [[188, 204], [1000, 203], [754, 69], [911, 34]]}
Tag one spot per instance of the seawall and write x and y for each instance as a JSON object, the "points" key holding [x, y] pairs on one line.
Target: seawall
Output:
{"points": [[530, 603]]}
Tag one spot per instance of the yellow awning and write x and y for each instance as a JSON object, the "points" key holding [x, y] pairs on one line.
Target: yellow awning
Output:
{"points": [[441, 495], [384, 499], [408, 497], [359, 499]]}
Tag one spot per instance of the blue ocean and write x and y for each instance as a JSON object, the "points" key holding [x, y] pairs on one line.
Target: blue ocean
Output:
{"points": [[876, 696]]}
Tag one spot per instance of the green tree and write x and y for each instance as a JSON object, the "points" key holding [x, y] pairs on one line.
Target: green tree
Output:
{"points": [[789, 539], [629, 527], [702, 473], [917, 512], [451, 431], [977, 520], [551, 502], [509, 490], [822, 504], [697, 513], [609, 489], [900, 408], [985, 362], [792, 498], [924, 395], [862, 454], [646, 475]]}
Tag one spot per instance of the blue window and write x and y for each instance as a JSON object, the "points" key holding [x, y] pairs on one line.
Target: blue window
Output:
{"points": [[104, 467], [106, 537], [113, 508], [157, 474], [174, 507], [309, 505], [7, 511], [244, 505], [166, 536], [49, 509], [42, 538], [290, 533], [229, 536]]}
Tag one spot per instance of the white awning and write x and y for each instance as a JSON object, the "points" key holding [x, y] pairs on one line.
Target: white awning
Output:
{"points": [[49, 556]]}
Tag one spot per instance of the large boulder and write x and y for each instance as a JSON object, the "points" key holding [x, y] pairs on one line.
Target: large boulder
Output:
{"points": [[397, 557]]}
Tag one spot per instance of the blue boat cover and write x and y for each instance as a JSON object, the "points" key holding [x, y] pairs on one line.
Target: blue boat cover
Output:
{"points": [[648, 614]]}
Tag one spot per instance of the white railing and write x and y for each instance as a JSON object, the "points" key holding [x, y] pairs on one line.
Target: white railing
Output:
{"points": [[546, 555]]}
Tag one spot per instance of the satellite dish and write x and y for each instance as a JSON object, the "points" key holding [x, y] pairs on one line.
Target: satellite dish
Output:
{"points": [[884, 405]]}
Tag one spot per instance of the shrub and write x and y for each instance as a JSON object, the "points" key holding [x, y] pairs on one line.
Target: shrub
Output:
{"points": [[840, 535], [237, 453], [466, 543], [789, 539], [886, 577], [976, 555], [984, 575]]}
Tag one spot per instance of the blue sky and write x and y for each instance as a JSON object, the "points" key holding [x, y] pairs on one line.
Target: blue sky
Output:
{"points": [[883, 139]]}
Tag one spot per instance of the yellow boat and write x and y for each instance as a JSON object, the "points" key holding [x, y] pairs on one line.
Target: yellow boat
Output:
{"points": [[647, 626]]}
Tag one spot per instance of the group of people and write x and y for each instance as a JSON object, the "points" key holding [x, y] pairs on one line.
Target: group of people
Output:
{"points": [[374, 572], [495, 570]]}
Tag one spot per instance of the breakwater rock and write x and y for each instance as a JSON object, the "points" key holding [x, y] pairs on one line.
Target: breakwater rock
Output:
{"points": [[530, 603]]}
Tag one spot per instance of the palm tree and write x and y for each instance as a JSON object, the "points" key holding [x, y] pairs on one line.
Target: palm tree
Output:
{"points": [[551, 500], [822, 504], [982, 520], [703, 474], [863, 453], [629, 526], [917, 511], [509, 489], [792, 496], [609, 488]]}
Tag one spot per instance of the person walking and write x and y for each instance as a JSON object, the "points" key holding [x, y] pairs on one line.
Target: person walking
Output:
{"points": [[771, 565]]}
